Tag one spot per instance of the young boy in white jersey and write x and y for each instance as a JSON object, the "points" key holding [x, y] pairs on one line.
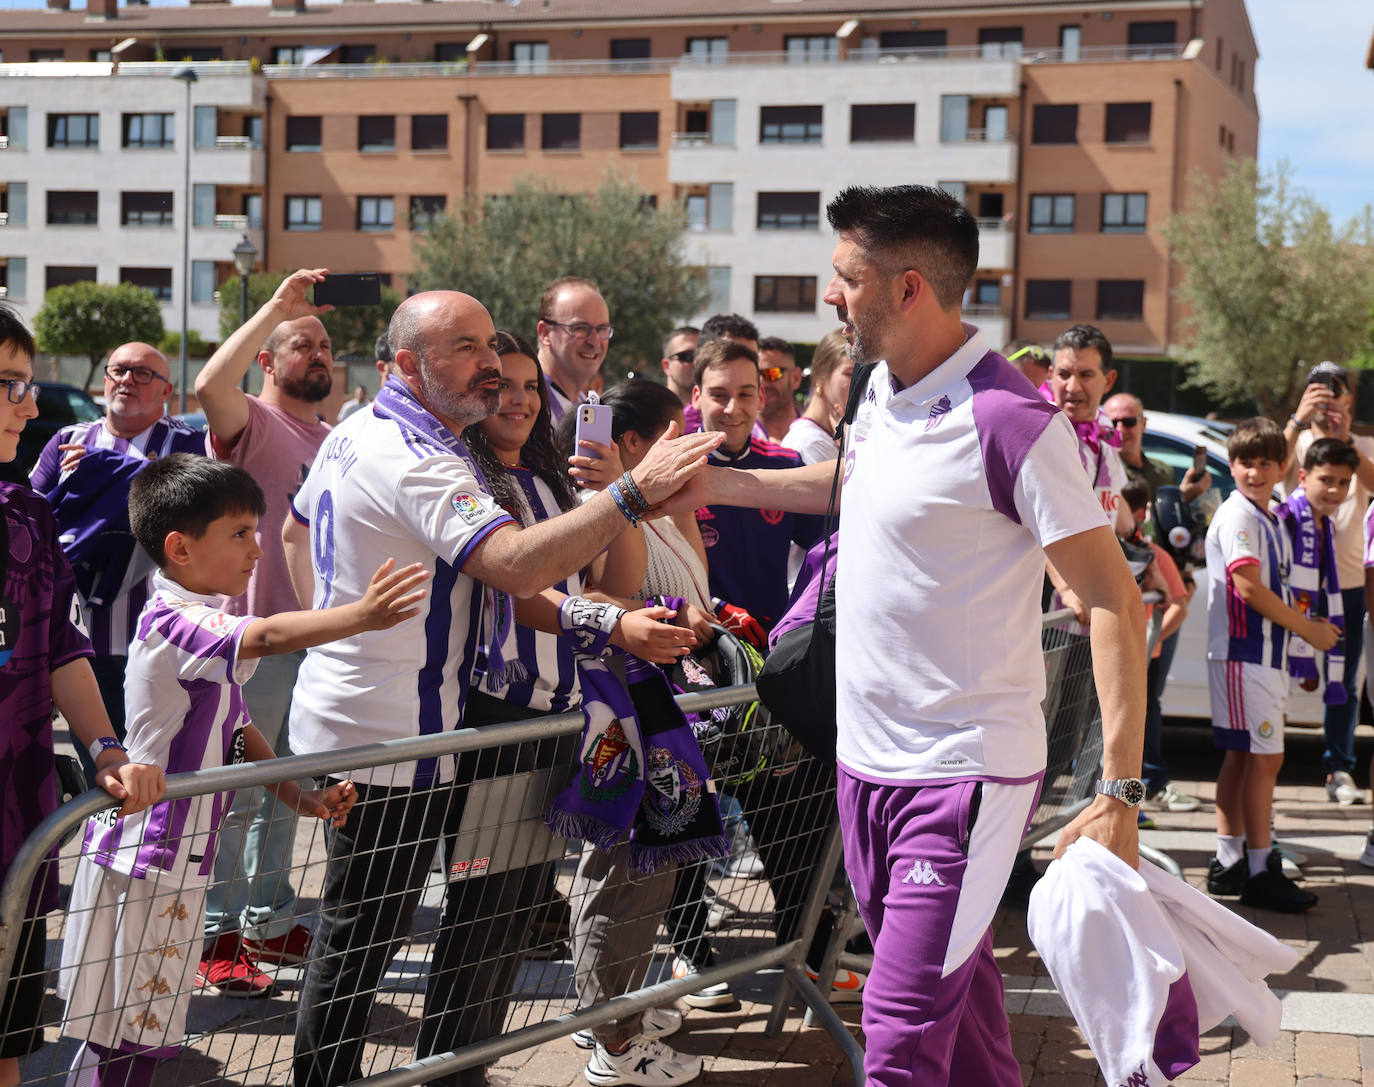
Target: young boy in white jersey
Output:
{"points": [[133, 932], [1249, 562], [1367, 856]]}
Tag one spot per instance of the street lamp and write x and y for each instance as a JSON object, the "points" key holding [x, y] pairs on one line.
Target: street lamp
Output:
{"points": [[188, 76], [245, 256]]}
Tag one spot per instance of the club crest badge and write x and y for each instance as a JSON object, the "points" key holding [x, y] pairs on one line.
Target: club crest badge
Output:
{"points": [[610, 765], [674, 794], [938, 412]]}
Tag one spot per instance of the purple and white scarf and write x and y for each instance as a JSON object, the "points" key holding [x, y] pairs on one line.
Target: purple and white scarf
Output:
{"points": [[1314, 574]]}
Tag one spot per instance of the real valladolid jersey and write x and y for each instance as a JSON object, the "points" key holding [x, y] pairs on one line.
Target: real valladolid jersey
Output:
{"points": [[1241, 533]]}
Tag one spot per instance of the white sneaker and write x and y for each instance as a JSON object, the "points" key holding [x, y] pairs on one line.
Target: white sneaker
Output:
{"points": [[1341, 788], [847, 988], [656, 1023], [1170, 799], [650, 1063], [1367, 857], [712, 996]]}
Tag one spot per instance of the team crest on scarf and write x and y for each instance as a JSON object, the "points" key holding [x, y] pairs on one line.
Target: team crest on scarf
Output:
{"points": [[937, 413], [674, 794], [610, 766]]}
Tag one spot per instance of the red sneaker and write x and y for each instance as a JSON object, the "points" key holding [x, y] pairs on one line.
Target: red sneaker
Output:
{"points": [[227, 971], [288, 949]]}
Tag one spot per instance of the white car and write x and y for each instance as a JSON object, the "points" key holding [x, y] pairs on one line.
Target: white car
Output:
{"points": [[1171, 439]]}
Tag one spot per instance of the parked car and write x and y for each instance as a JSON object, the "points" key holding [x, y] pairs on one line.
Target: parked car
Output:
{"points": [[1171, 439], [58, 406]]}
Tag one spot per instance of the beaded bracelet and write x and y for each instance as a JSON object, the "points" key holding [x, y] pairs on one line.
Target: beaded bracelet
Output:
{"points": [[633, 494], [622, 504]]}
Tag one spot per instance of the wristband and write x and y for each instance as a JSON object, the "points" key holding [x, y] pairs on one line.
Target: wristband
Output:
{"points": [[630, 489], [1298, 424], [588, 624], [101, 744], [622, 503]]}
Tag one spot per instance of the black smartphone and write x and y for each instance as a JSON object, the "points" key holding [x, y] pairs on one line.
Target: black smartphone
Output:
{"points": [[1199, 460], [349, 289]]}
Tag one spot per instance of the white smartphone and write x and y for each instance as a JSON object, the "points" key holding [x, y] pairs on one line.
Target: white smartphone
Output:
{"points": [[593, 424]]}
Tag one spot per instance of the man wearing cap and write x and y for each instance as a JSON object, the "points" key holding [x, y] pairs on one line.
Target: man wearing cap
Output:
{"points": [[1324, 412]]}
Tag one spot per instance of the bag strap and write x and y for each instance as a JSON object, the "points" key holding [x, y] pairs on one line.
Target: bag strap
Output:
{"points": [[858, 384]]}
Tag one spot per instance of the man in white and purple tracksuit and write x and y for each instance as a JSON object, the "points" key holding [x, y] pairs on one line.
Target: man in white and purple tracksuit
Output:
{"points": [[954, 495]]}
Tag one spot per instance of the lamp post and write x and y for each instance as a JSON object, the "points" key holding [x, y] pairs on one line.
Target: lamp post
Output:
{"points": [[187, 76], [245, 256]]}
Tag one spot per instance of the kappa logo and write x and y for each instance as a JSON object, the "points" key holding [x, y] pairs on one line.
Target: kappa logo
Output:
{"points": [[467, 507], [1138, 1078], [938, 412], [923, 873]]}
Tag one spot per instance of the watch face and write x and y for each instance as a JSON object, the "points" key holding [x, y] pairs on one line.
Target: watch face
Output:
{"points": [[1132, 791]]}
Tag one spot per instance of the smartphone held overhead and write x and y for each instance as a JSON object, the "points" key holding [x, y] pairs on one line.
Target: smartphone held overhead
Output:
{"points": [[349, 289]]}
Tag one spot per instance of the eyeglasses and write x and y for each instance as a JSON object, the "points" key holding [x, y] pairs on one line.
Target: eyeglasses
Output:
{"points": [[142, 375], [773, 373], [689, 355], [1126, 421], [582, 331], [17, 388]]}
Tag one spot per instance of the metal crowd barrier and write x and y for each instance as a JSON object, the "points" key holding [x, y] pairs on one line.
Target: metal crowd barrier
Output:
{"points": [[491, 938]]}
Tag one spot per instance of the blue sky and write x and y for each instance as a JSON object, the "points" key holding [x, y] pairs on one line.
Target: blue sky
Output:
{"points": [[1316, 96]]}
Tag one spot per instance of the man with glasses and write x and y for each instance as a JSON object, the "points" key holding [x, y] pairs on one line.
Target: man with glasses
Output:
{"points": [[84, 471], [779, 379], [679, 360], [575, 332]]}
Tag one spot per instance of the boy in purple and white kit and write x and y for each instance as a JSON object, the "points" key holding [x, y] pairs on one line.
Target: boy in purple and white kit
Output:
{"points": [[134, 926]]}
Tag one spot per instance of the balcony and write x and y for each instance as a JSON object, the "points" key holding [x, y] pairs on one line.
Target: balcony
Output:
{"points": [[4, 143], [237, 223], [233, 143], [996, 243], [991, 322], [4, 218]]}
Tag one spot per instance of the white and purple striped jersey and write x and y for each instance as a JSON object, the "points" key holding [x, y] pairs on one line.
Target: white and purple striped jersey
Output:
{"points": [[381, 490], [540, 670], [112, 626], [1242, 534], [185, 712], [952, 488]]}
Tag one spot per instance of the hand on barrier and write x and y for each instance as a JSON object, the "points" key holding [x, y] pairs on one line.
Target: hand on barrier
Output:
{"points": [[597, 472], [137, 784], [1070, 600], [332, 804], [741, 624], [650, 635], [1109, 822], [389, 596]]}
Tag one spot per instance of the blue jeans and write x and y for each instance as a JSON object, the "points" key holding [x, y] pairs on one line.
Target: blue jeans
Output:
{"points": [[1338, 722], [1154, 770], [252, 889]]}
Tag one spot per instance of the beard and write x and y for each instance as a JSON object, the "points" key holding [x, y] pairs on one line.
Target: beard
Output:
{"points": [[867, 332], [465, 407], [311, 386]]}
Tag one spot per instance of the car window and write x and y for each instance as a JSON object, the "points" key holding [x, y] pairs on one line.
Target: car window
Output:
{"points": [[1179, 456], [62, 405]]}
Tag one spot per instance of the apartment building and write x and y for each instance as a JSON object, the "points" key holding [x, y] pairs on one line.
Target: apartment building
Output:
{"points": [[1071, 130]]}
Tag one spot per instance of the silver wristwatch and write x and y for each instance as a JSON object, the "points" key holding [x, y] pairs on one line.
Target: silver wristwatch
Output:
{"points": [[1130, 791]]}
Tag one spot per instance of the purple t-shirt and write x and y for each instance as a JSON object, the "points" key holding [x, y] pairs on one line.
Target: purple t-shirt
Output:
{"points": [[38, 583]]}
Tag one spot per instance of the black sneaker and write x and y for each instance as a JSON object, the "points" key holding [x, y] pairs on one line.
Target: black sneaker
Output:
{"points": [[1271, 890], [1229, 880]]}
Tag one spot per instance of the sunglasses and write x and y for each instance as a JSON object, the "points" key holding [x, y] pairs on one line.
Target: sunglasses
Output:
{"points": [[688, 355], [1127, 421], [773, 373]]}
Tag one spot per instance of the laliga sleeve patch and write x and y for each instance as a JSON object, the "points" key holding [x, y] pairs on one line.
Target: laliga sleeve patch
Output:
{"points": [[1242, 537], [467, 506]]}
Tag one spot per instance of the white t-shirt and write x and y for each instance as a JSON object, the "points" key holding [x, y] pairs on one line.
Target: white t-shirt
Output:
{"points": [[811, 440], [1243, 534], [378, 491], [952, 489]]}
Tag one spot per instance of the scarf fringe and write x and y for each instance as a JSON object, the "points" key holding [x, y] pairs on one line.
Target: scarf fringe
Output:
{"points": [[597, 833], [645, 859]]}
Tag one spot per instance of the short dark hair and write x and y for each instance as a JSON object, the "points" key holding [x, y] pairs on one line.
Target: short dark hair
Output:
{"points": [[777, 343], [720, 353], [912, 226], [1081, 337], [1136, 494], [185, 492], [681, 330], [550, 295], [15, 333], [1256, 438], [1331, 451], [727, 324], [381, 351]]}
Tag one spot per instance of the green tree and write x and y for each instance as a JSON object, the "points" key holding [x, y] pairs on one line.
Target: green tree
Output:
{"points": [[170, 345], [504, 250], [92, 319], [1270, 285], [353, 330]]}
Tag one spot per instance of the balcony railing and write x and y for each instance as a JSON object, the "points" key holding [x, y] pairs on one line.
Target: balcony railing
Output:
{"points": [[977, 310], [979, 135], [231, 222], [4, 143], [992, 226], [233, 143], [4, 218]]}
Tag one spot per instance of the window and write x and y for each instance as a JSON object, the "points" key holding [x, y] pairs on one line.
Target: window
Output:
{"points": [[953, 117], [204, 126], [987, 292], [145, 209], [14, 123], [789, 211], [46, 55], [1051, 213], [377, 132], [251, 208], [990, 205], [1221, 136], [718, 289], [1164, 32], [252, 128], [72, 208], [1124, 212], [1127, 122], [357, 54], [1240, 75], [204, 201], [530, 56], [708, 50], [803, 48], [16, 281], [1054, 124], [302, 213], [288, 54], [1047, 299], [784, 294], [1070, 42], [64, 275], [629, 48], [377, 213], [424, 209], [1230, 140], [888, 123], [505, 131], [932, 40], [638, 131], [147, 130], [956, 189], [1000, 42], [698, 209], [1120, 299], [429, 132], [449, 52], [201, 53], [302, 133], [561, 132], [995, 124], [202, 281], [14, 202], [157, 280], [73, 130], [711, 208], [1220, 52], [790, 124]]}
